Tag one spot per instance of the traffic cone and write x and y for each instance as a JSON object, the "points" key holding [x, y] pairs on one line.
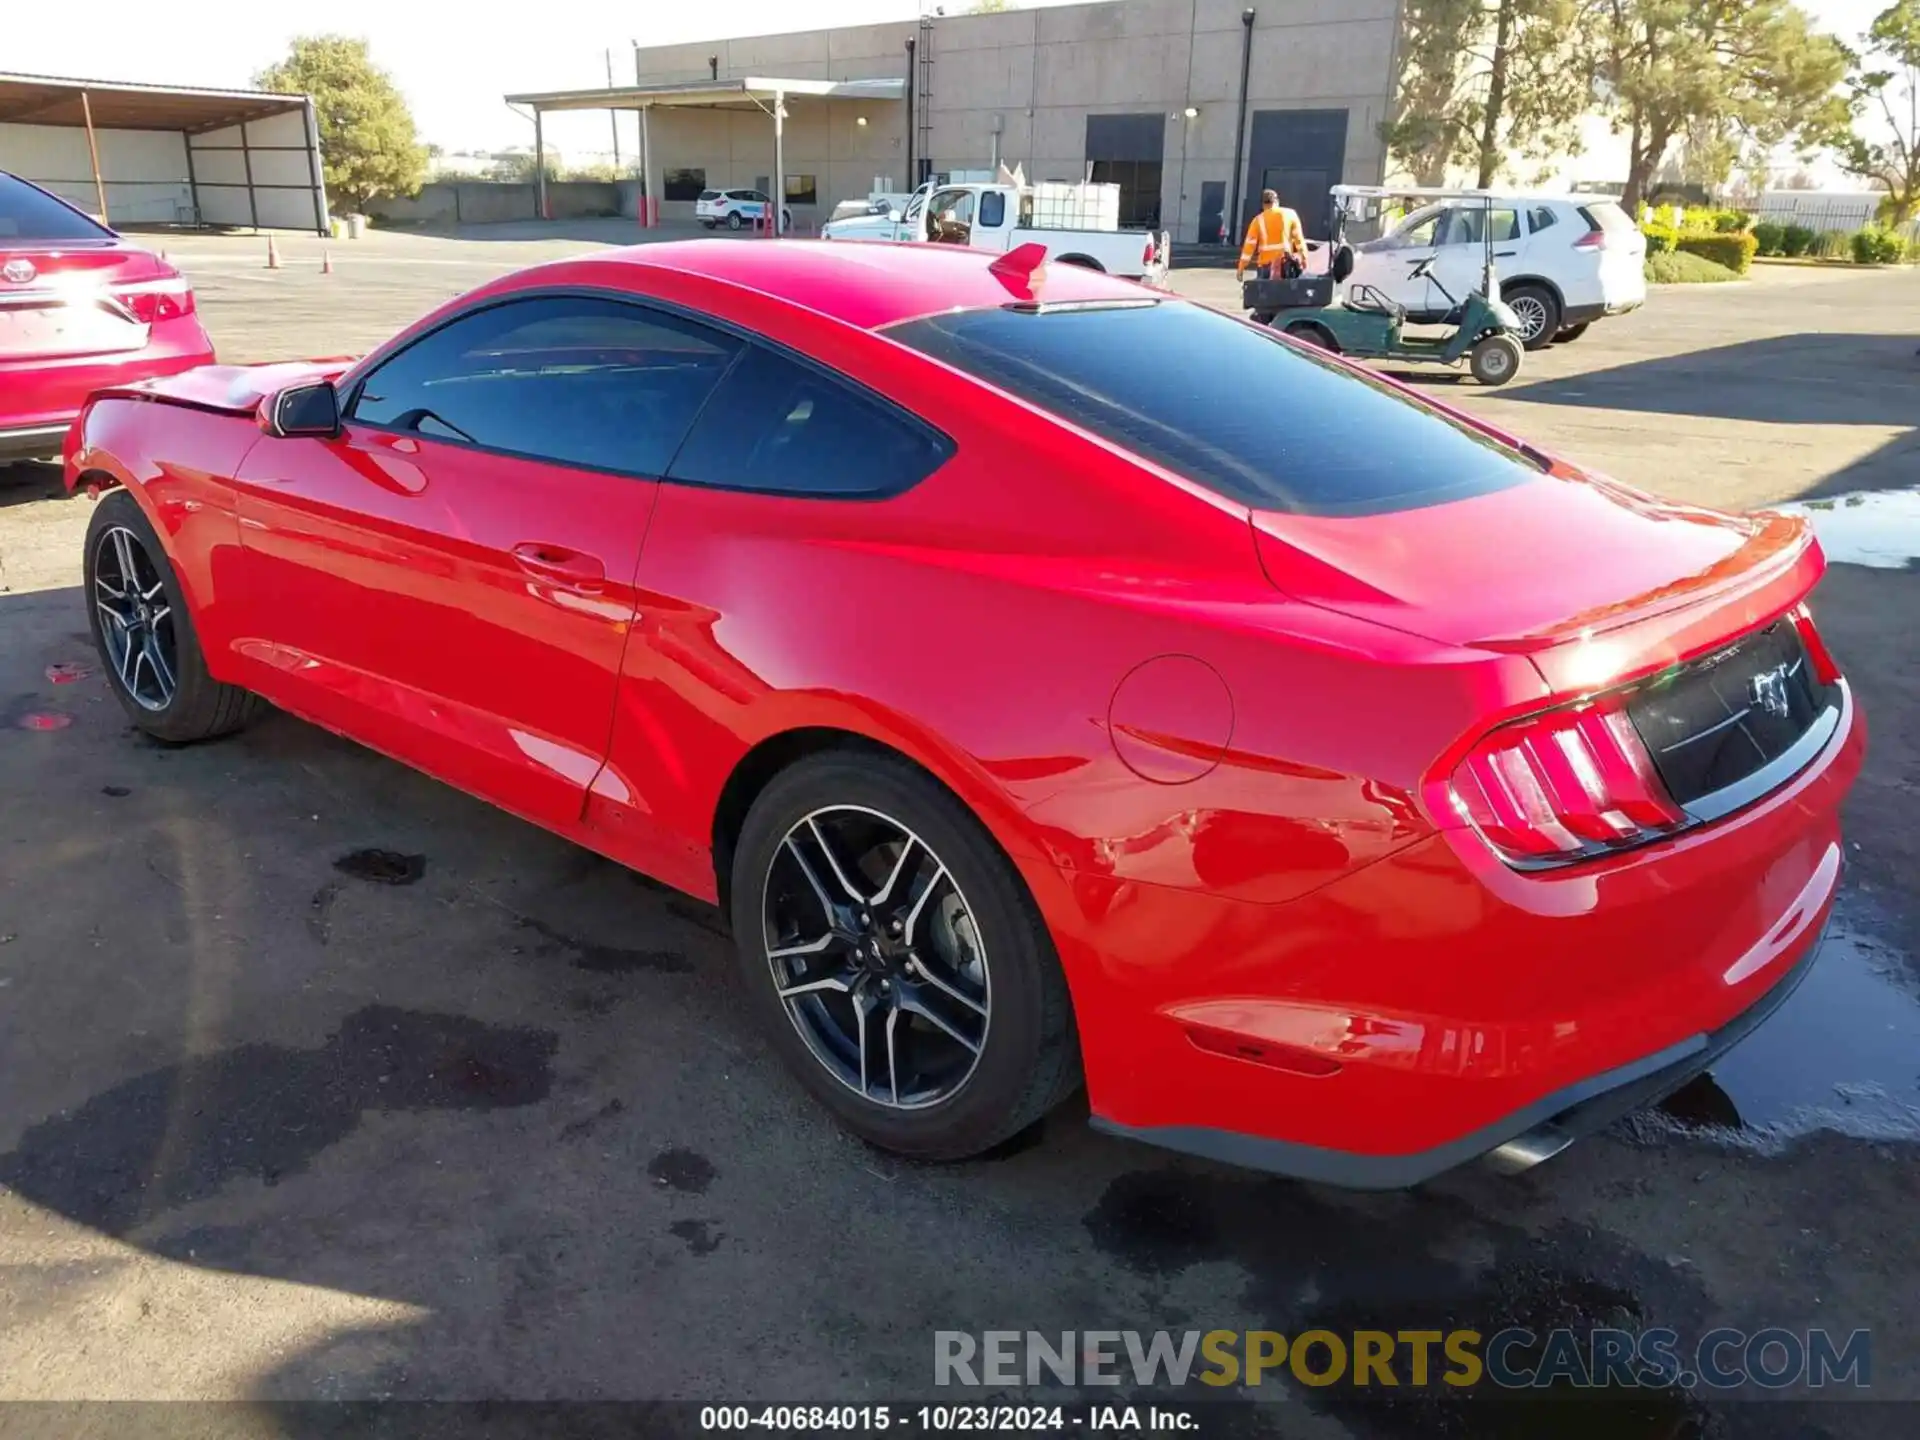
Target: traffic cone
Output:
{"points": [[273, 254], [326, 262]]}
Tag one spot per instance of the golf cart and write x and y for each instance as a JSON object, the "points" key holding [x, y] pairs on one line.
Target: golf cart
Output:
{"points": [[1368, 325]]}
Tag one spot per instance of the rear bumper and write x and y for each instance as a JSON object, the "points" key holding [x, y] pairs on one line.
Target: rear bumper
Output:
{"points": [[1434, 1005], [1516, 1141], [1586, 314], [41, 395], [32, 442]]}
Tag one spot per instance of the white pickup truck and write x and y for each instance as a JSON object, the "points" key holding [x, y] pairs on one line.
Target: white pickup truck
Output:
{"points": [[1075, 224]]}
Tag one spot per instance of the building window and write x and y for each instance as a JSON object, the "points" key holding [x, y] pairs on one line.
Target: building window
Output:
{"points": [[684, 184], [1139, 182], [800, 190]]}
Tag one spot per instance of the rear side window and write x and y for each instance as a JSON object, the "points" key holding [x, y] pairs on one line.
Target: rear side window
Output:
{"points": [[993, 209], [29, 213], [1541, 217], [1608, 216], [1225, 404], [570, 378], [776, 424]]}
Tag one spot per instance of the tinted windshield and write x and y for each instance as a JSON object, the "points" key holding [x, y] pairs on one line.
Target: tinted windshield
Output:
{"points": [[1225, 404], [29, 213]]}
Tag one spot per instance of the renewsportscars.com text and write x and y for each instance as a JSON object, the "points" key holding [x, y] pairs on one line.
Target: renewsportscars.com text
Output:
{"points": [[1513, 1358]]}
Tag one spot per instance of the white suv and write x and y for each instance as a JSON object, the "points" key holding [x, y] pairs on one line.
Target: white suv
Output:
{"points": [[1563, 261], [737, 209]]}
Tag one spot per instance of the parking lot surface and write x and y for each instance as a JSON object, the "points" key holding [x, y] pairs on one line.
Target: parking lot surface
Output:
{"points": [[324, 1081]]}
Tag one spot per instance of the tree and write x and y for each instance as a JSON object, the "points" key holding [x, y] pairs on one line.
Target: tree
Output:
{"points": [[1434, 105], [1482, 80], [367, 141], [1889, 92], [1750, 71]]}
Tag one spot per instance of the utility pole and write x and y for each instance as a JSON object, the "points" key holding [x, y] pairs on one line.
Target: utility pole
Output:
{"points": [[613, 117]]}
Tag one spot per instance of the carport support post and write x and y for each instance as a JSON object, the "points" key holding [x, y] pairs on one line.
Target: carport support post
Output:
{"points": [[649, 196], [539, 167], [320, 223], [777, 200], [93, 149]]}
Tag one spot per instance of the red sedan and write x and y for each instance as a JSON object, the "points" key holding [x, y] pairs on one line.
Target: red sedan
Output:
{"points": [[1051, 678], [80, 308]]}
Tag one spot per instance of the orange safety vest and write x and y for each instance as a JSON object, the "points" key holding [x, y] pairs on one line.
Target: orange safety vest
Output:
{"points": [[1272, 234]]}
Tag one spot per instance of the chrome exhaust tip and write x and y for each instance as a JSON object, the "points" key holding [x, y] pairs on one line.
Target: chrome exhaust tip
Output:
{"points": [[1523, 1152]]}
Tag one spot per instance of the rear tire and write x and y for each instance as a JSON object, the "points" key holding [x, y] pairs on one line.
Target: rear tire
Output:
{"points": [[144, 632], [1085, 262], [1495, 360], [1538, 311], [1572, 333], [734, 222], [948, 1097], [1317, 336]]}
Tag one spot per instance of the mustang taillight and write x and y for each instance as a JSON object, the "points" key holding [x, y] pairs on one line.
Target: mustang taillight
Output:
{"points": [[1824, 668], [1563, 785], [156, 300]]}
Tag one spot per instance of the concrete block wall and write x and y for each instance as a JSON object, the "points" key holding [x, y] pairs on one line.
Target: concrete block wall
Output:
{"points": [[1036, 75]]}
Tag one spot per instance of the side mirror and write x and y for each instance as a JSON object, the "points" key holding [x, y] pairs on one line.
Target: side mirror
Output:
{"points": [[305, 410], [893, 216]]}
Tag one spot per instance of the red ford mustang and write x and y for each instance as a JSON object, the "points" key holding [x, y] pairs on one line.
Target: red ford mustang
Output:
{"points": [[79, 308], [1051, 677]]}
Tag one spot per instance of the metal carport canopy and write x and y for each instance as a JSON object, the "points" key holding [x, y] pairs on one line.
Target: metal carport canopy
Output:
{"points": [[95, 105], [759, 92]]}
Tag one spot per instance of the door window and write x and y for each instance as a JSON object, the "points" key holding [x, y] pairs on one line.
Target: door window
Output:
{"points": [[952, 212], [1417, 231], [1465, 224], [776, 424], [573, 378]]}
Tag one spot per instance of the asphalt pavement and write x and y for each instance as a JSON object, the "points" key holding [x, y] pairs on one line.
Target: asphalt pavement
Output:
{"points": [[323, 1081]]}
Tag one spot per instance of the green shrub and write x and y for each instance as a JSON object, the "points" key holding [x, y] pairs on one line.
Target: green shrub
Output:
{"points": [[1680, 268], [1729, 222], [1797, 240], [1767, 236], [1735, 252], [1832, 245], [1660, 237], [1877, 247]]}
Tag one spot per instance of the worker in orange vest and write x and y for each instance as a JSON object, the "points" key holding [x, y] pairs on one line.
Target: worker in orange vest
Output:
{"points": [[1274, 234]]}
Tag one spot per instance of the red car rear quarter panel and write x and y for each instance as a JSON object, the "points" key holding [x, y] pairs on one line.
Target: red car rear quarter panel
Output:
{"points": [[177, 462]]}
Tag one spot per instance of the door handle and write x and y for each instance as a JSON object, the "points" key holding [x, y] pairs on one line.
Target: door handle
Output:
{"points": [[557, 563], [1505, 254]]}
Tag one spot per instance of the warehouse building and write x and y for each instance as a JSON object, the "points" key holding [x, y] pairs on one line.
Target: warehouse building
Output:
{"points": [[1191, 106]]}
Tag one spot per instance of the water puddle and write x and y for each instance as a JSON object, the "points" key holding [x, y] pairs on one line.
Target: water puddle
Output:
{"points": [[1877, 528], [1842, 1054]]}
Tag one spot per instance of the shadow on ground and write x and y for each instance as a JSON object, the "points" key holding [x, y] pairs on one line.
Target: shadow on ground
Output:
{"points": [[1804, 379], [278, 1008]]}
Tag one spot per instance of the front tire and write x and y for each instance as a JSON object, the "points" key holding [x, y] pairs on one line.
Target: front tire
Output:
{"points": [[896, 959], [144, 632], [1495, 360], [1538, 312]]}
